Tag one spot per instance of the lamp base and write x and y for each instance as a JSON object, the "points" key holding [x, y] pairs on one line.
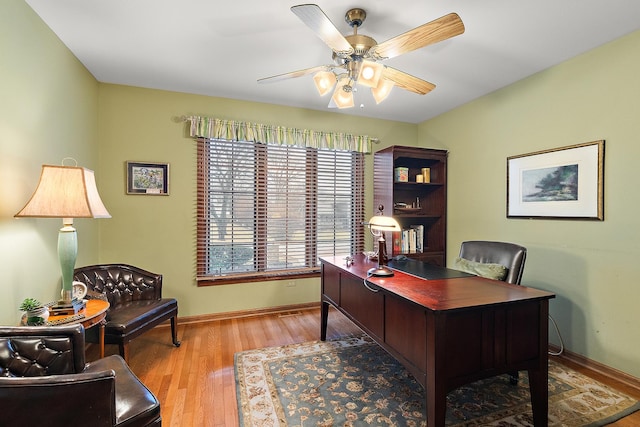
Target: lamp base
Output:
{"points": [[380, 271]]}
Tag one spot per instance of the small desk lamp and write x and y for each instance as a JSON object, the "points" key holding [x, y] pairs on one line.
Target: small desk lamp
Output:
{"points": [[378, 224], [66, 192]]}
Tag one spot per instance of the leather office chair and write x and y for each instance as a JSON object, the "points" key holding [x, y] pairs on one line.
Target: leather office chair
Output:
{"points": [[44, 381], [510, 255]]}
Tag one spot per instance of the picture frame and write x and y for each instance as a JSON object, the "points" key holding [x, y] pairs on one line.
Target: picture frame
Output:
{"points": [[560, 183], [148, 178]]}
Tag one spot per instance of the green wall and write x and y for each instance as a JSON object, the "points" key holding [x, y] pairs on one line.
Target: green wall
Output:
{"points": [[592, 266], [158, 232], [48, 111], [53, 108]]}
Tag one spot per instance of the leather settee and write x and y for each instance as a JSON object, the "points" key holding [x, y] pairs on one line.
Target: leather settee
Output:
{"points": [[45, 381], [135, 299]]}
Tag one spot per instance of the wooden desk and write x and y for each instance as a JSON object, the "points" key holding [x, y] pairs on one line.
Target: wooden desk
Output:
{"points": [[446, 332], [95, 313]]}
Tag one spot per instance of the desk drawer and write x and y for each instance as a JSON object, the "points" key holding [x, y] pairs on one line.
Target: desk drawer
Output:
{"points": [[406, 331], [364, 306]]}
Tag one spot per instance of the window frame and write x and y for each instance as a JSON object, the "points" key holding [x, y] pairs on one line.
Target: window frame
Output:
{"points": [[311, 245]]}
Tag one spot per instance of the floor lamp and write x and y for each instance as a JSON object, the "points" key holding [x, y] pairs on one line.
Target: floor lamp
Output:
{"points": [[65, 192]]}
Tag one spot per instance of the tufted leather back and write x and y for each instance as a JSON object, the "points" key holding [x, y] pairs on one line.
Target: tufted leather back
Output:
{"points": [[510, 255], [120, 283], [33, 351]]}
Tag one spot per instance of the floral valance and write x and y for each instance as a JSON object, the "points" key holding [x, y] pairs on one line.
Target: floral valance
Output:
{"points": [[231, 130]]}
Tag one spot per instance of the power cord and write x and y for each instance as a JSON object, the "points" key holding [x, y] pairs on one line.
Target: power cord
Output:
{"points": [[555, 325], [367, 286]]}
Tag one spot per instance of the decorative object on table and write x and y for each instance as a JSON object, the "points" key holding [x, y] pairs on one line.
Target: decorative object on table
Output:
{"points": [[35, 313], [66, 192], [561, 183], [371, 255], [79, 290], [148, 178], [354, 381], [378, 225]]}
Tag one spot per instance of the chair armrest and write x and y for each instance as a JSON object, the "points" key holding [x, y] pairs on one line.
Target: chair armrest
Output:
{"points": [[88, 398], [133, 399]]}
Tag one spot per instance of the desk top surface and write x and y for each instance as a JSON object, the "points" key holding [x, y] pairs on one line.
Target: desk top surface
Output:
{"points": [[447, 290]]}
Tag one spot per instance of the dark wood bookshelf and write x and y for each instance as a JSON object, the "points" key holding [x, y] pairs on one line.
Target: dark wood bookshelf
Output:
{"points": [[432, 197]]}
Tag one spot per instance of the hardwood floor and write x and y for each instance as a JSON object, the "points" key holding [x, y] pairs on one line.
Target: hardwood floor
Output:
{"points": [[195, 382]]}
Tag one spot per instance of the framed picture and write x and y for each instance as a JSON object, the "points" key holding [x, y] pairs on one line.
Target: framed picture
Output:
{"points": [[564, 183], [148, 178]]}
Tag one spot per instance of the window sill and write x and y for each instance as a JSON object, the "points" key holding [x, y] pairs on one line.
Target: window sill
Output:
{"points": [[227, 280]]}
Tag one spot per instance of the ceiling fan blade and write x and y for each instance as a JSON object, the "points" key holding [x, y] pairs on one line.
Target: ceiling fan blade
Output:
{"points": [[432, 32], [294, 74], [407, 81], [315, 19]]}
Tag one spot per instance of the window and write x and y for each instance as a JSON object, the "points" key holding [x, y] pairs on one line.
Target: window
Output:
{"points": [[270, 211]]}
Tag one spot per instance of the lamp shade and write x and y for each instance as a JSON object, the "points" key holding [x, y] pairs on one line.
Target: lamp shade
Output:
{"points": [[383, 223], [324, 81], [383, 90], [65, 192], [343, 98], [370, 73]]}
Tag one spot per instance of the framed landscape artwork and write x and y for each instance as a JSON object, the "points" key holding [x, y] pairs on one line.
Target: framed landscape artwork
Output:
{"points": [[148, 178], [561, 183]]}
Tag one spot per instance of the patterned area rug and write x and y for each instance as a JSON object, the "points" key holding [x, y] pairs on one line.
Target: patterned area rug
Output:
{"points": [[354, 382]]}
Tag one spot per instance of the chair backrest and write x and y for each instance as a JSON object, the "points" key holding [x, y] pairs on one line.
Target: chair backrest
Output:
{"points": [[61, 400], [509, 255], [120, 283], [32, 351]]}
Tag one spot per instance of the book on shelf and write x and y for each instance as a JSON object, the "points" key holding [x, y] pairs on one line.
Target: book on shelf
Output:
{"points": [[397, 238], [409, 240], [419, 231]]}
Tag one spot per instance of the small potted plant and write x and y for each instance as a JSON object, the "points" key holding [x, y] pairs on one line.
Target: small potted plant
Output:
{"points": [[36, 313]]}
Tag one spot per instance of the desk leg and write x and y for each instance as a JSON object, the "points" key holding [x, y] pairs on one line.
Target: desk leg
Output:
{"points": [[324, 318], [435, 386], [539, 388], [101, 339], [436, 404], [539, 377]]}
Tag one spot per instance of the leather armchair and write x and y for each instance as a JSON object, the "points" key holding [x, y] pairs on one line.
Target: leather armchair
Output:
{"points": [[136, 303], [45, 381], [510, 255]]}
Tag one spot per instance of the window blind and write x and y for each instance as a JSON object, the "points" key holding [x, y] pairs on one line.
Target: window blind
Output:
{"points": [[269, 211]]}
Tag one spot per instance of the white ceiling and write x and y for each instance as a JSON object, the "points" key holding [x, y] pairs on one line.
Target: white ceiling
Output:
{"points": [[221, 48]]}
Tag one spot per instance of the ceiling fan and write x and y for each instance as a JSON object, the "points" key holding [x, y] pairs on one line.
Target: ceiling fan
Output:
{"points": [[357, 57]]}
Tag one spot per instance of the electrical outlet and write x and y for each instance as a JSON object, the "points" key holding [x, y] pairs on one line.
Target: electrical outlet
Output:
{"points": [[291, 284]]}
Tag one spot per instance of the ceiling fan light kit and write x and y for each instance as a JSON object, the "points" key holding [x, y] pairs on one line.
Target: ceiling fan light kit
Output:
{"points": [[357, 57], [370, 73], [324, 80], [381, 91], [343, 93]]}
